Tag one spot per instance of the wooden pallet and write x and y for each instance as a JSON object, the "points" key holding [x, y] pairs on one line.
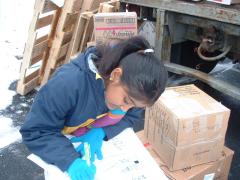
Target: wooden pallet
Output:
{"points": [[84, 35], [71, 32], [37, 47], [83, 28], [64, 33]]}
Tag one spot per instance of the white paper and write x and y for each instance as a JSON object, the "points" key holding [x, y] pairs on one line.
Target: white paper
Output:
{"points": [[124, 157]]}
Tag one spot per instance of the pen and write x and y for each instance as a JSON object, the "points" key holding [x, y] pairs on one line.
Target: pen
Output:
{"points": [[87, 154]]}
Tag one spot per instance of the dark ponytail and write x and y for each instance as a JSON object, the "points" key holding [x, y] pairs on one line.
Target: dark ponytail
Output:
{"points": [[113, 52], [144, 74]]}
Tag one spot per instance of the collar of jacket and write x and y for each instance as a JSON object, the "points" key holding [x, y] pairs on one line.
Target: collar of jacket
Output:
{"points": [[92, 66], [85, 61]]}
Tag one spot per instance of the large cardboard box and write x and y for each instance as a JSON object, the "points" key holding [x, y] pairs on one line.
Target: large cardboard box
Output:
{"points": [[186, 127], [217, 170], [227, 2], [115, 25]]}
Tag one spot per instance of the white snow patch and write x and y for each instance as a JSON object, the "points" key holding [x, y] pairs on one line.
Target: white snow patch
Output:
{"points": [[24, 105], [8, 133], [19, 112], [15, 17], [13, 35]]}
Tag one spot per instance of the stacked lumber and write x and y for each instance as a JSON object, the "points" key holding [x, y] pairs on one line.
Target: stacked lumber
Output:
{"points": [[70, 31]]}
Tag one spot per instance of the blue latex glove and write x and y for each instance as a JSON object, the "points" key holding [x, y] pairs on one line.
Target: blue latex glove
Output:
{"points": [[80, 170], [94, 137]]}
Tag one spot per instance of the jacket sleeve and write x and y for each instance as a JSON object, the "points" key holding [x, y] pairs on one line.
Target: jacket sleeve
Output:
{"points": [[134, 118], [41, 131]]}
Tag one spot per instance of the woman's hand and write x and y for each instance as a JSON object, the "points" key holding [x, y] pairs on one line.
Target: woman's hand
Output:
{"points": [[80, 170], [94, 137]]}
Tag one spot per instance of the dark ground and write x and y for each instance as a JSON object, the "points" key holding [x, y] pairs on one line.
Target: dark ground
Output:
{"points": [[15, 166]]}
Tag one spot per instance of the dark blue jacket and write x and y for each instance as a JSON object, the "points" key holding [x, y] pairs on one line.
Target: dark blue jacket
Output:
{"points": [[71, 97]]}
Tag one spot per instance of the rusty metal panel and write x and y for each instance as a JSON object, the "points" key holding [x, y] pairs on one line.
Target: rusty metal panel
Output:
{"points": [[228, 14], [230, 29]]}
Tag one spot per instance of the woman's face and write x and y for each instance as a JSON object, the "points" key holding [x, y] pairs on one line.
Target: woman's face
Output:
{"points": [[116, 95]]}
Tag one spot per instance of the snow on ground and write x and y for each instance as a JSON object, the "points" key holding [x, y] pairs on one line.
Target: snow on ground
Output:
{"points": [[8, 133], [15, 17]]}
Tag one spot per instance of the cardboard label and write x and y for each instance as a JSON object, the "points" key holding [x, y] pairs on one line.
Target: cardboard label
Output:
{"points": [[117, 25]]}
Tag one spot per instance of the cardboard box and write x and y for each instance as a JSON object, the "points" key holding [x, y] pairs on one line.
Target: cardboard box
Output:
{"points": [[115, 25], [217, 170], [227, 2], [185, 115], [185, 125], [179, 157]]}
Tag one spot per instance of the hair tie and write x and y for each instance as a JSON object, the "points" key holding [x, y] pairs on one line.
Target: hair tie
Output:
{"points": [[148, 51]]}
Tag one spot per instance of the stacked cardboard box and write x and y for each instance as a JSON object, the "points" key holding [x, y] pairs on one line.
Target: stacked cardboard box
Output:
{"points": [[186, 127], [213, 170]]}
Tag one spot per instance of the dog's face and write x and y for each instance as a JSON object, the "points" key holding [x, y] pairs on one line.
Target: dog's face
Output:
{"points": [[212, 39]]}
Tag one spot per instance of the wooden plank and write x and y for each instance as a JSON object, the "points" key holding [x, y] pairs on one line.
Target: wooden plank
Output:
{"points": [[70, 21], [60, 61], [67, 37], [100, 7], [41, 39], [31, 82], [27, 55], [89, 5], [77, 6], [49, 6], [87, 33], [163, 41], [63, 50], [30, 85], [37, 59], [44, 21], [31, 76], [39, 48], [108, 8]]}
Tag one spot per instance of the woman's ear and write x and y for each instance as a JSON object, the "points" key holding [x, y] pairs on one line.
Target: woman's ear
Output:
{"points": [[115, 75]]}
